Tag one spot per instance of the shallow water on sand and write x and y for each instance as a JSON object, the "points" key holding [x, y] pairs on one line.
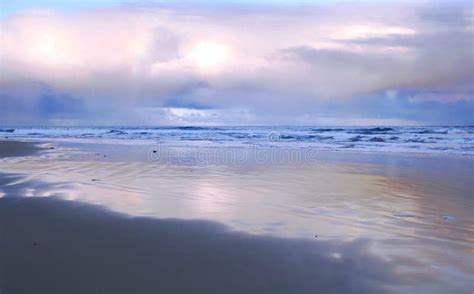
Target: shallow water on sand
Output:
{"points": [[415, 210]]}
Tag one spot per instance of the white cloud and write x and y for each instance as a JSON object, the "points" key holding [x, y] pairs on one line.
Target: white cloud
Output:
{"points": [[257, 58]]}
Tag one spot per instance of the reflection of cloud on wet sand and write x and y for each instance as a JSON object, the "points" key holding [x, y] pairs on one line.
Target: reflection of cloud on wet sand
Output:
{"points": [[58, 245], [401, 214]]}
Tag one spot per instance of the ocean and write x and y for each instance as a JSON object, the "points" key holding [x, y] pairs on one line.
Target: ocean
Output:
{"points": [[420, 140]]}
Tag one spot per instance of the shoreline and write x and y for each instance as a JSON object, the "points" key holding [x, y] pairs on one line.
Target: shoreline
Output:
{"points": [[24, 142]]}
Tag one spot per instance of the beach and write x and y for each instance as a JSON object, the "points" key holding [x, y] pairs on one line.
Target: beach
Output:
{"points": [[260, 147], [128, 217]]}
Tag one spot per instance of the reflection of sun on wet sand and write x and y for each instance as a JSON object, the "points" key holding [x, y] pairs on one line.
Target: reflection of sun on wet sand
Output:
{"points": [[135, 226]]}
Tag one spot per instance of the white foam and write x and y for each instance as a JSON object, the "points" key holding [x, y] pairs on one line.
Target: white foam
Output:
{"points": [[431, 140]]}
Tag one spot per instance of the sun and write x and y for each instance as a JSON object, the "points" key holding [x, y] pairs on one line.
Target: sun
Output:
{"points": [[209, 55], [47, 44]]}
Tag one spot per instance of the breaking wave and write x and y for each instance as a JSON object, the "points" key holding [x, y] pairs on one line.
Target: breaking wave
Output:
{"points": [[449, 140]]}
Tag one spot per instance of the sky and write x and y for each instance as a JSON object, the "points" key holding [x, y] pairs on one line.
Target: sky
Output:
{"points": [[112, 62]]}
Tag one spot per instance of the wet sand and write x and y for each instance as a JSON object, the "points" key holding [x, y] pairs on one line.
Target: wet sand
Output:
{"points": [[160, 228], [56, 246], [16, 148]]}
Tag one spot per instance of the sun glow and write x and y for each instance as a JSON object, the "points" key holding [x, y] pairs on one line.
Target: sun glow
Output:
{"points": [[48, 48], [209, 54], [46, 44]]}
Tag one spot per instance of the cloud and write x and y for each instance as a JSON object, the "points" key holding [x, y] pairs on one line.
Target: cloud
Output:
{"points": [[269, 60]]}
